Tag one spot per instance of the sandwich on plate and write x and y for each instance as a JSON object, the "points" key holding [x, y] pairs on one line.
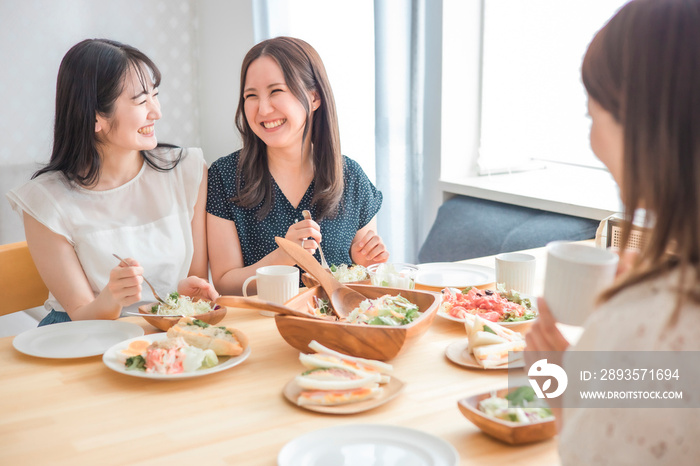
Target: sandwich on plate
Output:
{"points": [[224, 341], [490, 342], [190, 345], [333, 378]]}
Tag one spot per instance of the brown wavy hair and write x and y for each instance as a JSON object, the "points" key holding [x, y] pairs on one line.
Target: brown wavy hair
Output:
{"points": [[643, 67], [303, 72]]}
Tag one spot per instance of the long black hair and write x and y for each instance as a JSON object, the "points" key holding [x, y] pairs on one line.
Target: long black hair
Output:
{"points": [[90, 79]]}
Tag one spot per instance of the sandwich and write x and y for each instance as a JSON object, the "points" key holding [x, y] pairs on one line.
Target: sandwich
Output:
{"points": [[326, 358], [490, 342], [497, 355], [224, 341], [335, 378], [337, 397]]}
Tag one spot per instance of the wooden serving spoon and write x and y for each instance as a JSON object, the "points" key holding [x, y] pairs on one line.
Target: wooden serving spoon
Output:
{"points": [[250, 303], [343, 299]]}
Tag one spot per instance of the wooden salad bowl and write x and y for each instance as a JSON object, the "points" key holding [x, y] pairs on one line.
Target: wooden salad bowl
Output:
{"points": [[164, 323], [509, 432], [379, 342]]}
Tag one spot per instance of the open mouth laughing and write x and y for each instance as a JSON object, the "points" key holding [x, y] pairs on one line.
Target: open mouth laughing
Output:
{"points": [[273, 124]]}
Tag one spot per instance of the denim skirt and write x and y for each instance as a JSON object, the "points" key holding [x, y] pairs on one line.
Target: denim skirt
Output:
{"points": [[54, 317]]}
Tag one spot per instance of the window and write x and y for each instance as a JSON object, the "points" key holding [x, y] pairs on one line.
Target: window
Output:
{"points": [[513, 103], [531, 81]]}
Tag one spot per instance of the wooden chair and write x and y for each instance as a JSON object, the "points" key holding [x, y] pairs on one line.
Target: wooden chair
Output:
{"points": [[21, 287]]}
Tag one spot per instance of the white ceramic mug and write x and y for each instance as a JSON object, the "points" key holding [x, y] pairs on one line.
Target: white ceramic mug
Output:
{"points": [[276, 283], [516, 271], [575, 276]]}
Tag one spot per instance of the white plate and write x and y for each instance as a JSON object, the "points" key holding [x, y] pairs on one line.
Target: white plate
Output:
{"points": [[454, 274], [533, 303], [110, 360], [368, 445], [458, 353], [445, 315], [78, 339]]}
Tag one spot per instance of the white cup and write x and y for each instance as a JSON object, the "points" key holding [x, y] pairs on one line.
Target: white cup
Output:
{"points": [[516, 271], [576, 274], [276, 283]]}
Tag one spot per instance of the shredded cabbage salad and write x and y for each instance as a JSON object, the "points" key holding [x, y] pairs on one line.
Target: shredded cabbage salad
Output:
{"points": [[181, 305], [393, 276], [320, 308], [521, 406], [386, 310], [348, 274]]}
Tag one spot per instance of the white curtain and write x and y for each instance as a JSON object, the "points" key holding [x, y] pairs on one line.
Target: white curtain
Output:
{"points": [[399, 109]]}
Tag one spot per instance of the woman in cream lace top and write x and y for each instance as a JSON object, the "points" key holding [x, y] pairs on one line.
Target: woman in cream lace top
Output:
{"points": [[642, 75]]}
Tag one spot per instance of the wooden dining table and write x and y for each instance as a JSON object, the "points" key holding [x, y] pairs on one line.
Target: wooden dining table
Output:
{"points": [[78, 411]]}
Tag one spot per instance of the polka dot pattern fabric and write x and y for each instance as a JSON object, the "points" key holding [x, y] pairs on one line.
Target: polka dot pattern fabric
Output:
{"points": [[360, 203]]}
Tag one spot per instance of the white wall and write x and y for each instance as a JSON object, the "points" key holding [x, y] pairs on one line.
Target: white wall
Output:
{"points": [[197, 44], [225, 36]]}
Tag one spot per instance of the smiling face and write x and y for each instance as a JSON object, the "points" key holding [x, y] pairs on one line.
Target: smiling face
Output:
{"points": [[131, 127], [607, 138], [272, 111]]}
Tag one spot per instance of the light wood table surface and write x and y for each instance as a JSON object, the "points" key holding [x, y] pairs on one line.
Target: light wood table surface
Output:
{"points": [[77, 411]]}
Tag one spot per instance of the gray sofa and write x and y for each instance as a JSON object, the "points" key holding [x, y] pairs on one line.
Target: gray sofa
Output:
{"points": [[468, 227]]}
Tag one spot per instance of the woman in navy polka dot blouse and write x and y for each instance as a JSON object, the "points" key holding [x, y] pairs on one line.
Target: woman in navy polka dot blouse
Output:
{"points": [[290, 162]]}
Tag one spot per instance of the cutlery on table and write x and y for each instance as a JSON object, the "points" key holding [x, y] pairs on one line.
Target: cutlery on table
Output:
{"points": [[324, 264], [152, 315], [251, 303], [343, 299], [155, 294]]}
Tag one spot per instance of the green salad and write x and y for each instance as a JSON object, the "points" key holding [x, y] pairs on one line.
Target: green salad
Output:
{"points": [[386, 310], [348, 274], [521, 406]]}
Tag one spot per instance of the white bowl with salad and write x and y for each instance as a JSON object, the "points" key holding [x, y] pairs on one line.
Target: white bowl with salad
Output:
{"points": [[344, 273], [393, 275]]}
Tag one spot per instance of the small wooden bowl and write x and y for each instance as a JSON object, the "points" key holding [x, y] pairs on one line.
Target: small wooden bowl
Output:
{"points": [[379, 342], [164, 323], [512, 433]]}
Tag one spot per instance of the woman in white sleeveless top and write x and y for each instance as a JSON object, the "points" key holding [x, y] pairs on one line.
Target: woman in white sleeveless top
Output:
{"points": [[109, 188]]}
